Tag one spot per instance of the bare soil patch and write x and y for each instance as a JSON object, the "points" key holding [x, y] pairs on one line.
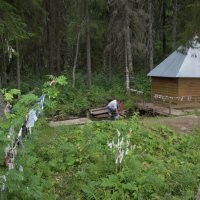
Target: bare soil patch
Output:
{"points": [[181, 124]]}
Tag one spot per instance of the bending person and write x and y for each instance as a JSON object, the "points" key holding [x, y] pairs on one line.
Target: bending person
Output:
{"points": [[114, 107]]}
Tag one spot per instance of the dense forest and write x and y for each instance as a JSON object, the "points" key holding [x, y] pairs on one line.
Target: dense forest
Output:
{"points": [[61, 58], [89, 37]]}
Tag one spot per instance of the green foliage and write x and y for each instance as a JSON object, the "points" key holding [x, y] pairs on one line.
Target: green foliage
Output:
{"points": [[142, 83], [53, 91], [76, 162], [9, 95]]}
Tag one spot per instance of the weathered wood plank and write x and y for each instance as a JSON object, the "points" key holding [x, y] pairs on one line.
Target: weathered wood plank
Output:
{"points": [[102, 112], [102, 116], [99, 112], [97, 109], [78, 121]]}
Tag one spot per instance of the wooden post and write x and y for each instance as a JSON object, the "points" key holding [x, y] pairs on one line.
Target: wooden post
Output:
{"points": [[170, 106], [195, 103]]}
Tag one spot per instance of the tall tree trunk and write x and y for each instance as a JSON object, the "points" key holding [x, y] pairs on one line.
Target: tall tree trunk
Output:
{"points": [[58, 28], [58, 67], [128, 46], [40, 64], [75, 61], [110, 64], [150, 35], [4, 77], [1, 73], [50, 35], [18, 66], [126, 69], [174, 23], [104, 60], [164, 45], [88, 46]]}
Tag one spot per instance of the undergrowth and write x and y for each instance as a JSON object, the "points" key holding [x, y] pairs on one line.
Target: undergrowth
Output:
{"points": [[75, 162]]}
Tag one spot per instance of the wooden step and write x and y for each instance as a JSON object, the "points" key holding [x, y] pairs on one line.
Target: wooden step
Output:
{"points": [[97, 109], [99, 112]]}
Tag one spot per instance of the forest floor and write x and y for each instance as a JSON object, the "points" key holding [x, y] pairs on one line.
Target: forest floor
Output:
{"points": [[181, 124]]}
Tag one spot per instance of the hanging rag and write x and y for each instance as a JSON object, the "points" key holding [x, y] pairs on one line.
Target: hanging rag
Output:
{"points": [[41, 101], [32, 118]]}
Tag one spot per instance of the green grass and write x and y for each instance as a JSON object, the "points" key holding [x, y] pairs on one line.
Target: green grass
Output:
{"points": [[74, 162]]}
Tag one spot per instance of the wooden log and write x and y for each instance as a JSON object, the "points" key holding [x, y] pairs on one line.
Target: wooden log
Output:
{"points": [[99, 112], [102, 116], [97, 109]]}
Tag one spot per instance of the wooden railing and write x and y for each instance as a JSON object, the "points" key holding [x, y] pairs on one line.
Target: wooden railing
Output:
{"points": [[177, 102]]}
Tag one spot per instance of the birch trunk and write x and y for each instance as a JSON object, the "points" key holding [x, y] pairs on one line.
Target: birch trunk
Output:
{"points": [[75, 61], [126, 69], [128, 52], [128, 46]]}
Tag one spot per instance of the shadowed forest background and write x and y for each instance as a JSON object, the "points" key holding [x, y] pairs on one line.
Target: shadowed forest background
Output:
{"points": [[83, 38]]}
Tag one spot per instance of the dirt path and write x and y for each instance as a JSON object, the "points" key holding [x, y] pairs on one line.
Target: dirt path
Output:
{"points": [[78, 121], [182, 124]]}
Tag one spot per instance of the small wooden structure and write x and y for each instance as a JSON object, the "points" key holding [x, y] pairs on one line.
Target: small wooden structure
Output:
{"points": [[102, 112], [176, 80]]}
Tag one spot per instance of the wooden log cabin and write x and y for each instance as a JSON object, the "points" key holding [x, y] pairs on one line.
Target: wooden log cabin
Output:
{"points": [[176, 80]]}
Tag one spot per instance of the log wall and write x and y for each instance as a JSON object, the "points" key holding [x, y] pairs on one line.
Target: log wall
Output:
{"points": [[178, 87], [189, 86], [165, 86]]}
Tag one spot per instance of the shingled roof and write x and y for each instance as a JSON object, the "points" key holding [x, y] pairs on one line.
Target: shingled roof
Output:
{"points": [[184, 62]]}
